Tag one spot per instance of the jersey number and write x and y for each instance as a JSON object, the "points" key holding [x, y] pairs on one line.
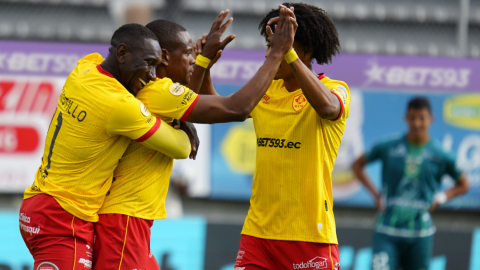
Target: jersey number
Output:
{"points": [[57, 129]]}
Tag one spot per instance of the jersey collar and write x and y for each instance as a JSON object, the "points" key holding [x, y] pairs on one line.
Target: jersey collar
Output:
{"points": [[104, 72]]}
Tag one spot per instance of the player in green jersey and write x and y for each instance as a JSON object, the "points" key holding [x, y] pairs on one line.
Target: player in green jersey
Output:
{"points": [[412, 168]]}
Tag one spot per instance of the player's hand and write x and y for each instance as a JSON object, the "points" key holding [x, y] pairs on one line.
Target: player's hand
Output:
{"points": [[197, 49], [191, 131], [379, 203], [282, 40], [211, 44], [433, 207], [290, 10]]}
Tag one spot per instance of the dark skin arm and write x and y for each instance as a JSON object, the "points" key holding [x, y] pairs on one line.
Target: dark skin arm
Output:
{"points": [[461, 187], [237, 107], [358, 169], [212, 43], [318, 95]]}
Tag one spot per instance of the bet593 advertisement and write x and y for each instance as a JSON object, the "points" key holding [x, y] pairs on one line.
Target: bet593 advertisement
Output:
{"points": [[32, 75]]}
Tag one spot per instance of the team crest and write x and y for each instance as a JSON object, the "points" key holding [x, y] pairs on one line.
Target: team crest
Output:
{"points": [[176, 89], [299, 102]]}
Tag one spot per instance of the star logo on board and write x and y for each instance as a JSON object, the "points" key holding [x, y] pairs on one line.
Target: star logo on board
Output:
{"points": [[375, 73]]}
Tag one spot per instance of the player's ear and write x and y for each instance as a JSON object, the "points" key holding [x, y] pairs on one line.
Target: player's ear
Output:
{"points": [[121, 53], [165, 57]]}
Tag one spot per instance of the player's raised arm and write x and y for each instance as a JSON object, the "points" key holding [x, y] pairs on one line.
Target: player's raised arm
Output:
{"points": [[325, 103], [237, 107], [208, 49]]}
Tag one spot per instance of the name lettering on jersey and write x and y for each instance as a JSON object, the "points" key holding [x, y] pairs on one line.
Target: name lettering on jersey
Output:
{"points": [[299, 102], [72, 108], [265, 99], [342, 92], [277, 143], [187, 98], [176, 89]]}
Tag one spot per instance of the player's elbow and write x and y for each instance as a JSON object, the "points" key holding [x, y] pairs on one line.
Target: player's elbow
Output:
{"points": [[328, 112], [463, 185]]}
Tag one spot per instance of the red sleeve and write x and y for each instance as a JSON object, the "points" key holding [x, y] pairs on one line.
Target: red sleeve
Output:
{"points": [[341, 106], [187, 113], [150, 132]]}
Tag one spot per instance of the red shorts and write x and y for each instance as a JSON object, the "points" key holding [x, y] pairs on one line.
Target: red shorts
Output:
{"points": [[55, 238], [264, 254], [123, 242]]}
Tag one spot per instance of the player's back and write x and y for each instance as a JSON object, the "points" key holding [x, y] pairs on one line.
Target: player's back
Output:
{"points": [[80, 154]]}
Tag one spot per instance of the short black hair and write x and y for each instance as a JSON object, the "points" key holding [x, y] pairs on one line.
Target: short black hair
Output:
{"points": [[133, 35], [315, 31], [419, 103], [166, 32]]}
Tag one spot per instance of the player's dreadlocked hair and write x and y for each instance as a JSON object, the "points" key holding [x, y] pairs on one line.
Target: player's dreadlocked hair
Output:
{"points": [[166, 32], [133, 35], [315, 31]]}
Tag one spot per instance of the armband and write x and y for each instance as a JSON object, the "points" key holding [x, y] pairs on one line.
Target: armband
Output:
{"points": [[291, 56], [202, 61]]}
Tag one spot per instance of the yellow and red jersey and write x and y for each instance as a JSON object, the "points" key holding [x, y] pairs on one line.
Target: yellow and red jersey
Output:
{"points": [[95, 120], [296, 151], [142, 176]]}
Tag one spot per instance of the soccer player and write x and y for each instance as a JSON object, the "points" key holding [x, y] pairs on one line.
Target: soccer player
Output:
{"points": [[122, 235], [96, 118], [299, 126], [412, 169]]}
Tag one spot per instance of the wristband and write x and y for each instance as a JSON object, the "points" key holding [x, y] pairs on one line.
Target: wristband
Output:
{"points": [[202, 61], [440, 198], [291, 56]]}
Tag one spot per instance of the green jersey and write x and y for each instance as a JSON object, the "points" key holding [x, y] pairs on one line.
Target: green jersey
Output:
{"points": [[410, 177]]}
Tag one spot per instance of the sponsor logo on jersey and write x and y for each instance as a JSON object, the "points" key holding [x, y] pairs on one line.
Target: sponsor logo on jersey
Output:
{"points": [[342, 92], [144, 110], [187, 98], [239, 268], [315, 263], [299, 102], [86, 263], [463, 111], [277, 143], [176, 89], [47, 266], [30, 230], [265, 99]]}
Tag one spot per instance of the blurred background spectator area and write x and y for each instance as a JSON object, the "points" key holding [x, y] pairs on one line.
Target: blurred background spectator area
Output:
{"points": [[427, 27]]}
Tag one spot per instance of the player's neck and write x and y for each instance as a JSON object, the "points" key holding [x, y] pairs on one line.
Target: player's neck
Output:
{"points": [[291, 83], [110, 66], [418, 140]]}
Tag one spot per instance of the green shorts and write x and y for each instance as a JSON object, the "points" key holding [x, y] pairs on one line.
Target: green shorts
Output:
{"points": [[393, 252]]}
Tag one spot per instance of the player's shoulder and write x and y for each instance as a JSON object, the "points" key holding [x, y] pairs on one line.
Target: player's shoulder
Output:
{"points": [[437, 148], [164, 86], [332, 83], [391, 141]]}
